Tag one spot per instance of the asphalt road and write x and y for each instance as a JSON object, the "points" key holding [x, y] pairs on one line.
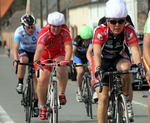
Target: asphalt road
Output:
{"points": [[11, 110]]}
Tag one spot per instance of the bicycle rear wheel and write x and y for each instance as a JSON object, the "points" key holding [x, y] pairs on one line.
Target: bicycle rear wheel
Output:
{"points": [[122, 110]]}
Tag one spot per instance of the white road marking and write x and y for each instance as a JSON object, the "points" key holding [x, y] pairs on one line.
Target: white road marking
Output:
{"points": [[4, 116], [144, 105]]}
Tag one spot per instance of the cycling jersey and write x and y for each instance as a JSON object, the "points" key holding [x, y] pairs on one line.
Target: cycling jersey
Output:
{"points": [[81, 46], [147, 24], [53, 44], [112, 46], [27, 42]]}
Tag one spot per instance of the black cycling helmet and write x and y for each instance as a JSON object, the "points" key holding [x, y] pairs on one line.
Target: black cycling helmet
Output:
{"points": [[27, 20]]}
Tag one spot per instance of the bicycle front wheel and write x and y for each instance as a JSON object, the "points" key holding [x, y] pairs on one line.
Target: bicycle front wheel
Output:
{"points": [[54, 104], [122, 110], [28, 96]]}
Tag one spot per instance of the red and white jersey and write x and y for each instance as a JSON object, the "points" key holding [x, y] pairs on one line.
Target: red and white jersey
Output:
{"points": [[53, 43], [114, 45]]}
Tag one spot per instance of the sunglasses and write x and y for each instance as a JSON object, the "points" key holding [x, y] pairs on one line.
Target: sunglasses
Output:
{"points": [[121, 21], [29, 27]]}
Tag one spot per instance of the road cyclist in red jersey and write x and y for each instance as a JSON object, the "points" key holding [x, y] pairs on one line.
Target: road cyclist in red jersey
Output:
{"points": [[109, 49], [54, 42]]}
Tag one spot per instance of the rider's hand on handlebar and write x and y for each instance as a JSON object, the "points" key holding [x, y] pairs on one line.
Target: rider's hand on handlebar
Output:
{"points": [[37, 65], [99, 73], [15, 62], [140, 69]]}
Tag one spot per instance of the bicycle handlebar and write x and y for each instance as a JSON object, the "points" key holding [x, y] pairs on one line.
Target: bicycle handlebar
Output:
{"points": [[58, 63], [119, 73], [19, 63]]}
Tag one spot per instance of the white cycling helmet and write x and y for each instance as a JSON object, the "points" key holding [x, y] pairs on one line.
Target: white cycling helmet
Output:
{"points": [[56, 19], [116, 9]]}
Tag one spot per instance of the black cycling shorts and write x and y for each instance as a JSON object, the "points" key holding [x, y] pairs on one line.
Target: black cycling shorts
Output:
{"points": [[107, 64], [30, 55]]}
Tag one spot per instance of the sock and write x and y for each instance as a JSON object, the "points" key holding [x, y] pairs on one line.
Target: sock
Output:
{"points": [[61, 92], [127, 97], [35, 102], [42, 106], [20, 80], [79, 88]]}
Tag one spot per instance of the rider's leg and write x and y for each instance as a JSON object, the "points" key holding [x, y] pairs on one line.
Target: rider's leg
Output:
{"points": [[42, 85], [35, 86], [149, 111], [123, 65], [21, 73], [22, 68], [80, 72], [62, 75], [102, 104]]}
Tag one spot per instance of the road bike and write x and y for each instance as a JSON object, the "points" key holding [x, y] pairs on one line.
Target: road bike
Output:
{"points": [[86, 91], [53, 103], [28, 92], [117, 100]]}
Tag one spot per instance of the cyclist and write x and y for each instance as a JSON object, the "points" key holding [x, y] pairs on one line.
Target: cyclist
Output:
{"points": [[146, 54], [108, 47], [54, 42], [80, 45], [25, 40], [90, 58]]}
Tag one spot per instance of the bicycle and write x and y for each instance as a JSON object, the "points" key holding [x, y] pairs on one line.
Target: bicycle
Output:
{"points": [[28, 92], [117, 100], [86, 91], [53, 103]]}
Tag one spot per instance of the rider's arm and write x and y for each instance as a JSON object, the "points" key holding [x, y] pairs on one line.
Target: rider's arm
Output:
{"points": [[89, 53], [16, 48], [136, 53], [39, 51], [97, 54], [73, 52], [146, 48], [68, 48]]}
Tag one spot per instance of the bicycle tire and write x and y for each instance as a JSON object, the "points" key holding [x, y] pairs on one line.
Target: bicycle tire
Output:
{"points": [[122, 110], [29, 100], [53, 104], [89, 98], [85, 95], [55, 111]]}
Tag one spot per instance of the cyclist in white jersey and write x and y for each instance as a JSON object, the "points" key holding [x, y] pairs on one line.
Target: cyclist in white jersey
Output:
{"points": [[25, 41]]}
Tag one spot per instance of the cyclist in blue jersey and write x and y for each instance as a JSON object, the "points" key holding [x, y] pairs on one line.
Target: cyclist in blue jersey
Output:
{"points": [[80, 45], [25, 41]]}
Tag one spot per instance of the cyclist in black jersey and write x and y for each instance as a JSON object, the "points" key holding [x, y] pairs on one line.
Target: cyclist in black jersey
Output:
{"points": [[80, 45]]}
